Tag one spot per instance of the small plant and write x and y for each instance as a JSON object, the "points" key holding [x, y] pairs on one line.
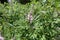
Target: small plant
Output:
{"points": [[43, 17]]}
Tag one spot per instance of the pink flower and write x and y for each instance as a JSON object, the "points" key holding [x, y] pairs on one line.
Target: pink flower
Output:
{"points": [[30, 17], [9, 0], [1, 38]]}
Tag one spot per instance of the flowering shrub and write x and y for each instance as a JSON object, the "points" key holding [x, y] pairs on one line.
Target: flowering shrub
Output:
{"points": [[46, 20]]}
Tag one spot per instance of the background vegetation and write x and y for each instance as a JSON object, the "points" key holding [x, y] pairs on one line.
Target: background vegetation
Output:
{"points": [[44, 26]]}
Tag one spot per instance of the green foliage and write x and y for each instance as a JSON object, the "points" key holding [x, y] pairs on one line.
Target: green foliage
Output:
{"points": [[14, 23]]}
